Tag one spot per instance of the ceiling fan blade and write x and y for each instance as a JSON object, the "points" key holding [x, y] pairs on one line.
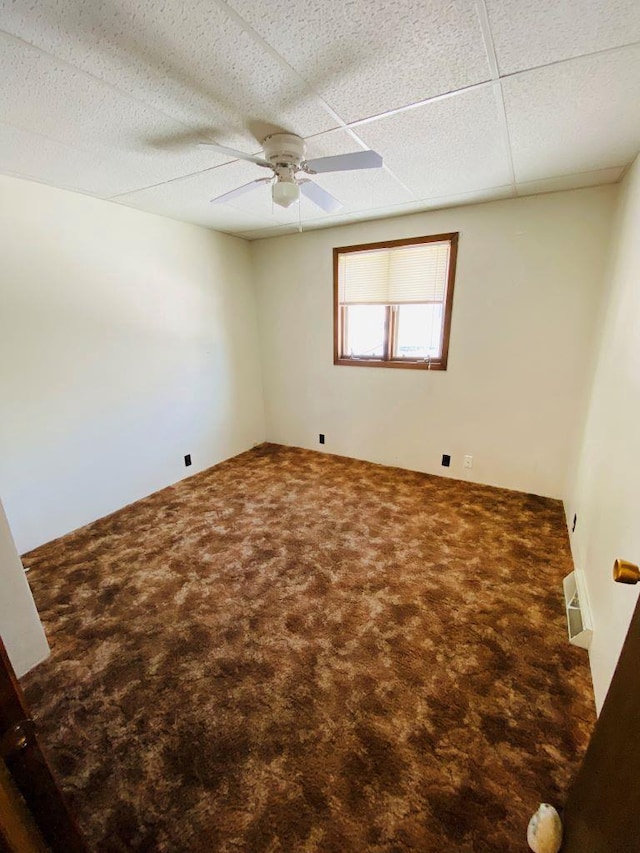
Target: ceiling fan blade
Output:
{"points": [[233, 152], [245, 188], [319, 197], [344, 162]]}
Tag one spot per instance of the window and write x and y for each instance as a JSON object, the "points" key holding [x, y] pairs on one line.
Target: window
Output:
{"points": [[392, 302]]}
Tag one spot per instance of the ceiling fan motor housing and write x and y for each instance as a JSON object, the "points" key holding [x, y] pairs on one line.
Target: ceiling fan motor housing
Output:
{"points": [[284, 150]]}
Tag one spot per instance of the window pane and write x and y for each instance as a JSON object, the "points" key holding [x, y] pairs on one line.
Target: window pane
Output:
{"points": [[365, 330], [419, 331]]}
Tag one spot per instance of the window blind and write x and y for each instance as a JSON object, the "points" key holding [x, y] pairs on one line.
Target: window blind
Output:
{"points": [[401, 274]]}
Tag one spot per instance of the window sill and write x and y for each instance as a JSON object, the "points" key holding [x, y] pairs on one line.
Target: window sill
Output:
{"points": [[402, 365]]}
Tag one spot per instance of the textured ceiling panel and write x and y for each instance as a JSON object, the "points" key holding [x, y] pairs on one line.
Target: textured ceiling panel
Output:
{"points": [[571, 182], [189, 60], [366, 58], [110, 98], [189, 198], [579, 116], [27, 155], [361, 190], [260, 233], [448, 146], [529, 33], [126, 139], [406, 208], [192, 197], [491, 194], [475, 197]]}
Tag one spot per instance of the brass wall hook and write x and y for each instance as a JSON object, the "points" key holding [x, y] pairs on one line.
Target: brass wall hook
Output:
{"points": [[625, 572]]}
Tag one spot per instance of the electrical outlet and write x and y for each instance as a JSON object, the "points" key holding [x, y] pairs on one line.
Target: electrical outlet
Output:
{"points": [[321, 438], [187, 460], [446, 460], [468, 461]]}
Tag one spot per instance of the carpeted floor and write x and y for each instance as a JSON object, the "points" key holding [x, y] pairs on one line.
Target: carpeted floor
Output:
{"points": [[299, 652]]}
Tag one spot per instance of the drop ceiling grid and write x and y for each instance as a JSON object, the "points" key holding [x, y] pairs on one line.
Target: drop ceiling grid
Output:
{"points": [[529, 34], [447, 146], [165, 56], [490, 37], [299, 18], [336, 182], [388, 211], [84, 114], [354, 54], [498, 94], [65, 51], [341, 122]]}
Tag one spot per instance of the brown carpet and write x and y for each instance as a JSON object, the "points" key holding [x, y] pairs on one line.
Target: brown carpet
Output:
{"points": [[298, 652]]}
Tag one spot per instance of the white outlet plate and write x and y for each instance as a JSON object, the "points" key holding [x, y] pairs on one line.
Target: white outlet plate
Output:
{"points": [[468, 461]]}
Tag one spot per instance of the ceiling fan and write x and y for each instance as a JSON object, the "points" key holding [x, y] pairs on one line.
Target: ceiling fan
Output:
{"points": [[284, 155]]}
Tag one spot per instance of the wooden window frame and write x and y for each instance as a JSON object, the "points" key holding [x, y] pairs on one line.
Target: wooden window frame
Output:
{"points": [[391, 318]]}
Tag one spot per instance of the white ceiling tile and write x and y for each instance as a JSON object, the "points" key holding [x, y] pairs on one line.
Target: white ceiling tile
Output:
{"points": [[363, 190], [188, 199], [448, 146], [110, 98], [365, 58], [190, 60], [576, 116], [261, 233], [357, 190], [347, 218], [419, 206], [571, 182], [120, 136], [476, 197], [489, 194], [529, 33], [227, 220], [27, 155]]}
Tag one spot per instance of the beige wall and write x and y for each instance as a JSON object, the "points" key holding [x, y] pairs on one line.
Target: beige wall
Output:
{"points": [[126, 341], [605, 490], [20, 626], [528, 285]]}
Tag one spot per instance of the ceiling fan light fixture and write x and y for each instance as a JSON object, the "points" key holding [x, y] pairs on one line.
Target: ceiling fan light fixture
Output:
{"points": [[285, 193]]}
